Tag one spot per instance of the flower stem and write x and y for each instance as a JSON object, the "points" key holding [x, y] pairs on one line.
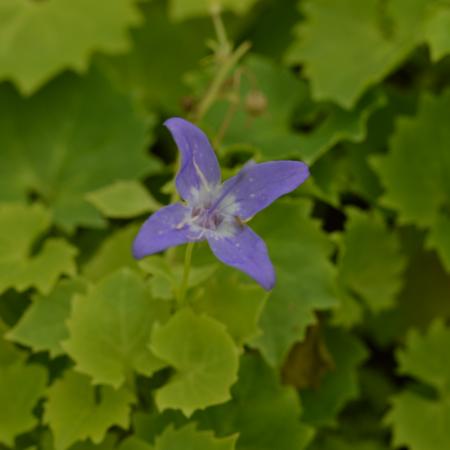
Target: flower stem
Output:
{"points": [[219, 28], [186, 272], [232, 109], [222, 73], [226, 66]]}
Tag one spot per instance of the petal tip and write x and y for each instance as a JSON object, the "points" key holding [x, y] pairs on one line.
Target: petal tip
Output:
{"points": [[268, 286], [304, 172], [269, 282], [136, 249], [172, 120], [177, 122]]}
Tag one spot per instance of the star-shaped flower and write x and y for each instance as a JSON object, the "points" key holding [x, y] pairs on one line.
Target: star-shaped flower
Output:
{"points": [[216, 211]]}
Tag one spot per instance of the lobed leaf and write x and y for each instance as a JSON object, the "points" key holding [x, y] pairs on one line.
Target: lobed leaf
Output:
{"points": [[123, 199], [155, 73], [40, 39], [269, 132], [66, 151], [21, 386], [420, 190], [306, 279], [20, 226], [110, 329], [228, 300], [43, 325], [372, 39], [205, 359], [77, 410], [413, 415], [264, 413], [189, 438], [371, 264], [340, 384], [113, 253]]}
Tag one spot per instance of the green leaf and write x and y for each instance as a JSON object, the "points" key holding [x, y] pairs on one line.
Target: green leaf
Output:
{"points": [[424, 357], [349, 312], [56, 258], [134, 443], [424, 278], [418, 423], [123, 199], [204, 356], [378, 36], [402, 186], [41, 39], [148, 425], [236, 304], [306, 279], [12, 306], [9, 353], [332, 442], [20, 226], [420, 190], [43, 325], [167, 275], [77, 410], [344, 171], [264, 413], [340, 384], [21, 386], [188, 438], [66, 151], [339, 125], [113, 253], [371, 263], [184, 9], [109, 443], [413, 415], [436, 31], [155, 73], [439, 238], [281, 16], [270, 132], [110, 329]]}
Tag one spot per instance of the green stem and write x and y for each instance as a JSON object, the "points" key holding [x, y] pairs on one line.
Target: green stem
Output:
{"points": [[219, 79], [186, 272], [232, 109], [219, 27]]}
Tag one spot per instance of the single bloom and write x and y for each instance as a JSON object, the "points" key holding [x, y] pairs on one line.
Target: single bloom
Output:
{"points": [[216, 211]]}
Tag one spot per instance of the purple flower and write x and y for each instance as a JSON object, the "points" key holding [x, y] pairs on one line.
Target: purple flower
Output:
{"points": [[217, 212]]}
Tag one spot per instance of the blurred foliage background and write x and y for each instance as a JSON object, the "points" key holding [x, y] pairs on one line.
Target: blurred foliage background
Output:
{"points": [[350, 350]]}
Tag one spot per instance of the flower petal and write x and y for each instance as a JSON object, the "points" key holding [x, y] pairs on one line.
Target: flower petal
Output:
{"points": [[245, 251], [165, 228], [257, 185], [199, 168]]}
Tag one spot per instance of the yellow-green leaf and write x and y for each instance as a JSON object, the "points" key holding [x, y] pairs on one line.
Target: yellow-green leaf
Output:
{"points": [[110, 328], [123, 199], [40, 39], [77, 410], [21, 386], [204, 356]]}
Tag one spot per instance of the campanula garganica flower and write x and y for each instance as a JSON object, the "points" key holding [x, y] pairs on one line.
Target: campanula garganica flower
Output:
{"points": [[216, 211]]}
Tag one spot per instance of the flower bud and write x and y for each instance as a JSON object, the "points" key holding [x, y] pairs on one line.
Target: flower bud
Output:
{"points": [[255, 103]]}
